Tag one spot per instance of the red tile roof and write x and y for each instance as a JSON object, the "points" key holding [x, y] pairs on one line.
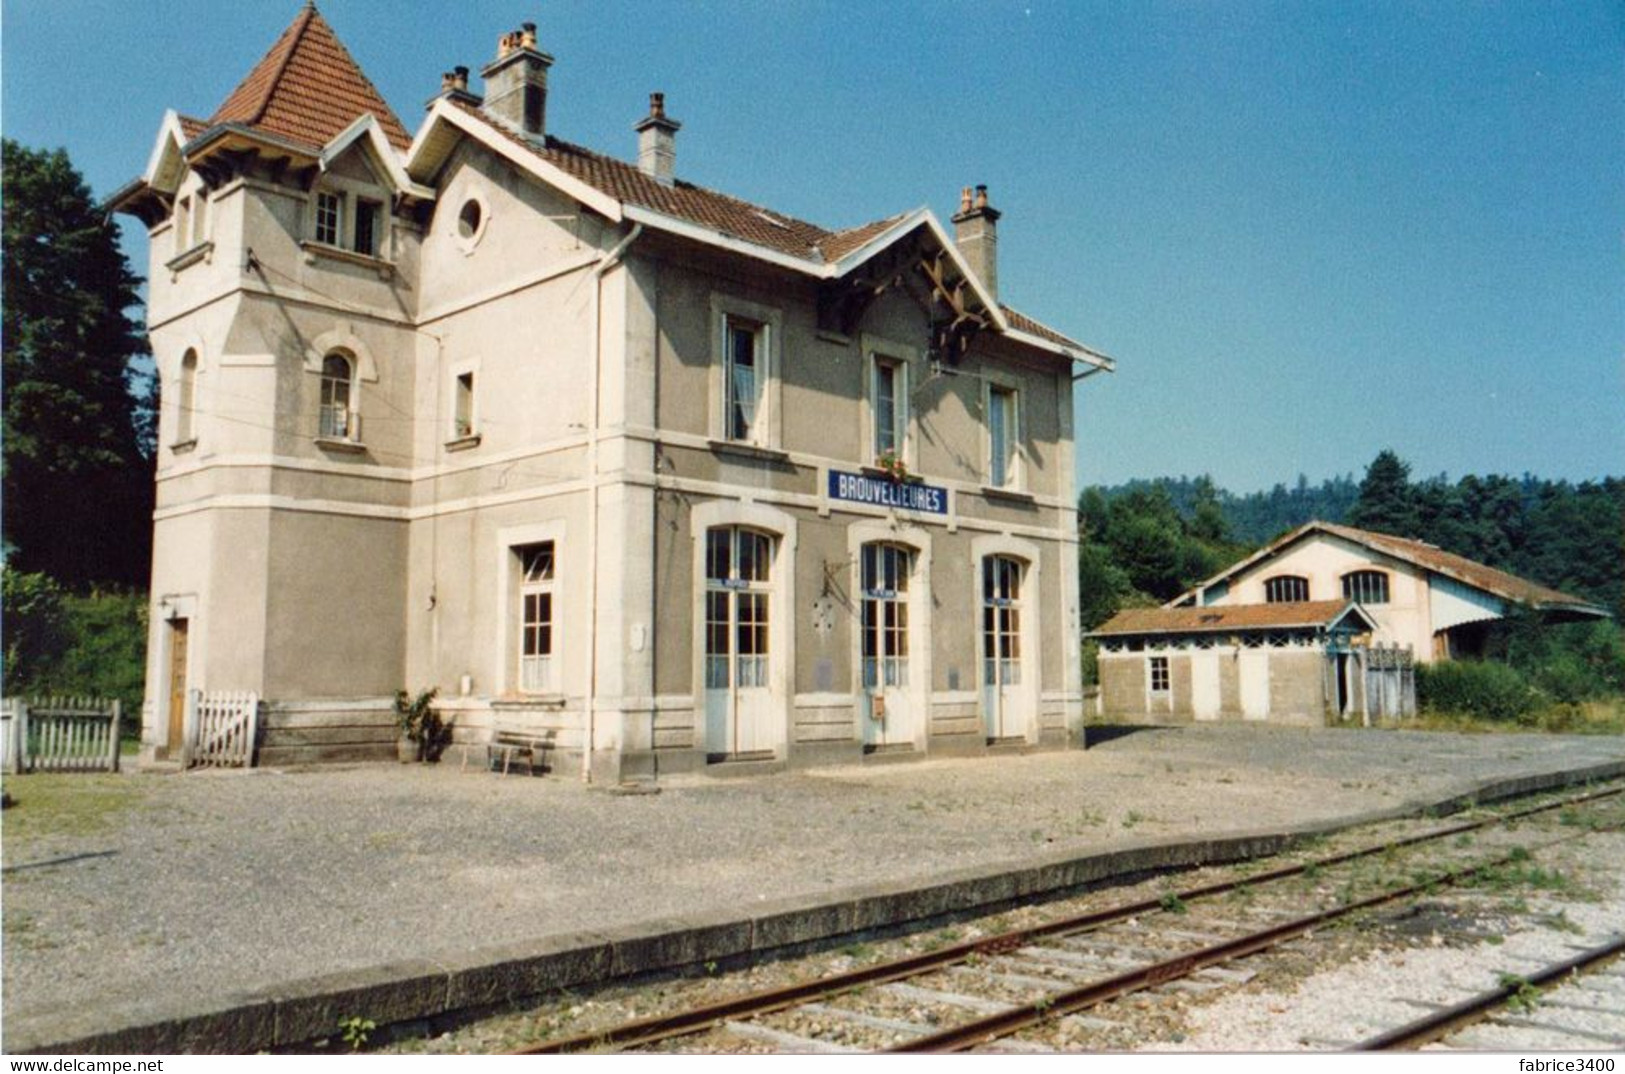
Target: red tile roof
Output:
{"points": [[191, 126], [718, 212], [1223, 617], [1462, 569], [308, 89], [1429, 557]]}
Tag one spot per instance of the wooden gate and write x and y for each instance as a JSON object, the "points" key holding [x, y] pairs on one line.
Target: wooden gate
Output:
{"points": [[1390, 682], [221, 728], [59, 734]]}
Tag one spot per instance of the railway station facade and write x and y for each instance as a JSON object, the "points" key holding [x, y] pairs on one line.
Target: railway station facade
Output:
{"points": [[671, 479]]}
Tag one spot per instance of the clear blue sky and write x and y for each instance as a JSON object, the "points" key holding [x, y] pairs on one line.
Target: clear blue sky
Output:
{"points": [[1307, 231]]}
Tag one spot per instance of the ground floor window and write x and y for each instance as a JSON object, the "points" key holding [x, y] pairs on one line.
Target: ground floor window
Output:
{"points": [[885, 574], [537, 579], [1001, 620], [738, 568], [1159, 674]]}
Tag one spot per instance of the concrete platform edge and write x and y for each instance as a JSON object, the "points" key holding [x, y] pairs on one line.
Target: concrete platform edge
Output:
{"points": [[300, 1012]]}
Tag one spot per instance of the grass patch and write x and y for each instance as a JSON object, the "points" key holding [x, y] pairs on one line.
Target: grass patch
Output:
{"points": [[64, 805]]}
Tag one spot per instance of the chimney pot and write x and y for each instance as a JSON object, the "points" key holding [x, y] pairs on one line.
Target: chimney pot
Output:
{"points": [[657, 105], [516, 81], [976, 234]]}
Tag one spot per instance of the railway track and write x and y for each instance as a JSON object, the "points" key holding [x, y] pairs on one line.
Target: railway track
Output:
{"points": [[1511, 1003], [1029, 989]]}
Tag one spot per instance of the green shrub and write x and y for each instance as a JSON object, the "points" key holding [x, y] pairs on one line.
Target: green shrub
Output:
{"points": [[93, 645], [1484, 690], [36, 626]]}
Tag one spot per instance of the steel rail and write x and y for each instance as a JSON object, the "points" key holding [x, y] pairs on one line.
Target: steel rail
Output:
{"points": [[1443, 1023], [698, 1019], [1004, 1023]]}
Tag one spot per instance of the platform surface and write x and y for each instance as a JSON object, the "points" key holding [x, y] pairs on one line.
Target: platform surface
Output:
{"points": [[217, 884]]}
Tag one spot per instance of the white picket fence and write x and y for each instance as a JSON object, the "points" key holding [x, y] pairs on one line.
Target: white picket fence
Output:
{"points": [[59, 734], [220, 729]]}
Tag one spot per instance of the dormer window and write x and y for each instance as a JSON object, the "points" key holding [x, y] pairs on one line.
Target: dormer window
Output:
{"points": [[329, 218], [344, 219]]}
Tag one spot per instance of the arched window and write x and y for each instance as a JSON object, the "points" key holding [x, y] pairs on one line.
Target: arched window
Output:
{"points": [[1286, 589], [186, 401], [1366, 587], [338, 419]]}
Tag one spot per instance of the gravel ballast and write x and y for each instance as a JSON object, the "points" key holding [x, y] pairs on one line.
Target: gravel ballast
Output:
{"points": [[211, 884]]}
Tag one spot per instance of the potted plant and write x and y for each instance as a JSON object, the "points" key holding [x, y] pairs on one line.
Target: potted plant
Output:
{"points": [[411, 717], [891, 464]]}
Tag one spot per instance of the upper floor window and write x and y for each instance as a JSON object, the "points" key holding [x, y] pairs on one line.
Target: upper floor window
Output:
{"points": [[186, 401], [1002, 436], [1286, 589], [888, 398], [349, 221], [329, 217], [1366, 587], [337, 418], [463, 406], [743, 378]]}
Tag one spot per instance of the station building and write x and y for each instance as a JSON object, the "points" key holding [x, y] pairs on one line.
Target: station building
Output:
{"points": [[675, 480]]}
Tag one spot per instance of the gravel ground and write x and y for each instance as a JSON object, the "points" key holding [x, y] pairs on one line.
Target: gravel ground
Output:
{"points": [[1340, 1007], [212, 883]]}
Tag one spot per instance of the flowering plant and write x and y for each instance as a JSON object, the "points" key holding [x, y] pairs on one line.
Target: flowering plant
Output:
{"points": [[891, 463]]}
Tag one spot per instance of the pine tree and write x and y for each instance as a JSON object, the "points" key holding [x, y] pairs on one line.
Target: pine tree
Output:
{"points": [[1387, 502], [77, 484]]}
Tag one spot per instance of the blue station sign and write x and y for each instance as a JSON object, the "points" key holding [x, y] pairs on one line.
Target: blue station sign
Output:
{"points": [[883, 492]]}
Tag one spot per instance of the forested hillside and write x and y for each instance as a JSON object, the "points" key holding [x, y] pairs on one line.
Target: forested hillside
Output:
{"points": [[1145, 542]]}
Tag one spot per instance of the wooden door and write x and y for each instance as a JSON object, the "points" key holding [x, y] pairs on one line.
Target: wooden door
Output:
{"points": [[177, 685]]}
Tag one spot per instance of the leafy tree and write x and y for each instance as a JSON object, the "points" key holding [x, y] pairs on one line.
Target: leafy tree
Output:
{"points": [[1387, 503], [36, 625], [77, 486]]}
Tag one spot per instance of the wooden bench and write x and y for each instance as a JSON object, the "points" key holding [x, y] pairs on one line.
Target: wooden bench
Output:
{"points": [[528, 748]]}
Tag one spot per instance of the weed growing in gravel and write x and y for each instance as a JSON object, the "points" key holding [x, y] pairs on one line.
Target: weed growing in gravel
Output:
{"points": [[1525, 997], [1171, 903], [1132, 819], [858, 952], [1464, 840], [1091, 819]]}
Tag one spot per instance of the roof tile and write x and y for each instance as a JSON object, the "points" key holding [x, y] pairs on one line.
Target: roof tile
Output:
{"points": [[1221, 617], [308, 89]]}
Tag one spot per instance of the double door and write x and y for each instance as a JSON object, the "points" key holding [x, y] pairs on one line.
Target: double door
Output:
{"points": [[1006, 696], [889, 703]]}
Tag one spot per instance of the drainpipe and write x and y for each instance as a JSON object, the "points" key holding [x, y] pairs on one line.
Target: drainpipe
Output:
{"points": [[605, 263]]}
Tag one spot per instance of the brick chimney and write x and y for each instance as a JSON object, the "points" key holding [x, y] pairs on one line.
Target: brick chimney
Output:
{"points": [[657, 141], [516, 81], [976, 233]]}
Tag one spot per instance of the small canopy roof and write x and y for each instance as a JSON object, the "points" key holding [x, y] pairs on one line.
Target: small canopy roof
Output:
{"points": [[1324, 614]]}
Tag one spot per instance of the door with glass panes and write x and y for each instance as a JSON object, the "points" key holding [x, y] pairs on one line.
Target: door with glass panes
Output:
{"points": [[886, 646], [1005, 694], [739, 709]]}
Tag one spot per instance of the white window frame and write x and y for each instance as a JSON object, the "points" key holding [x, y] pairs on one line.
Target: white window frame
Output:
{"points": [[768, 322], [351, 431], [509, 644], [349, 194], [878, 352], [1151, 662], [1269, 599], [329, 200], [456, 431], [1014, 477], [547, 681], [1358, 580]]}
